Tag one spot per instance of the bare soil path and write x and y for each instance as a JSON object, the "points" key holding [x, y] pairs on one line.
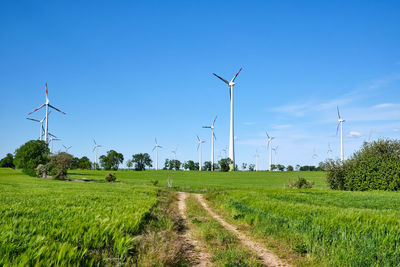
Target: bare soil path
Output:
{"points": [[268, 257], [203, 258]]}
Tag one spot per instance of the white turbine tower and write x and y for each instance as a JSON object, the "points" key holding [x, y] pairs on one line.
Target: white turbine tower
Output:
{"points": [[175, 151], [256, 156], [315, 156], [156, 147], [47, 105], [270, 149], [231, 84], [95, 148], [52, 139], [340, 120], [275, 149], [200, 142], [329, 151], [212, 142], [67, 148]]}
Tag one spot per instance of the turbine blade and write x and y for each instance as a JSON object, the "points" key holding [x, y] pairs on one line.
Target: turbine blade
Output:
{"points": [[156, 141], [37, 109], [337, 128], [267, 134], [198, 138], [32, 119], [206, 127], [198, 145], [222, 79], [236, 75], [338, 112], [215, 120], [94, 142], [214, 136], [57, 109], [153, 149]]}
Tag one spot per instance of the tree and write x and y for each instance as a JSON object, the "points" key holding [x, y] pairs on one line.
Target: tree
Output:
{"points": [[274, 167], [297, 167], [75, 163], [224, 164], [30, 155], [289, 168], [7, 161], [129, 163], [190, 165], [141, 160], [167, 165], [84, 163], [58, 165], [175, 164], [111, 160], [280, 167], [207, 165], [244, 166], [252, 167]]}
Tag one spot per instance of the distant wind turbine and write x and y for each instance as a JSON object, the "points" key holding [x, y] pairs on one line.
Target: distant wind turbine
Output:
{"points": [[156, 147], [67, 148], [41, 125], [52, 139], [275, 149], [47, 105], [231, 84], [174, 151], [329, 151], [315, 156], [340, 120], [95, 148], [200, 142], [269, 140], [212, 142], [256, 156]]}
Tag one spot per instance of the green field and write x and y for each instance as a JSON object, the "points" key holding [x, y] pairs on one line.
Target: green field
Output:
{"points": [[92, 222]]}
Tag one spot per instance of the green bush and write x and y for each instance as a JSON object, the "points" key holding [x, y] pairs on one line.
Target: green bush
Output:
{"points": [[30, 155], [301, 183], [110, 177], [58, 165], [376, 166]]}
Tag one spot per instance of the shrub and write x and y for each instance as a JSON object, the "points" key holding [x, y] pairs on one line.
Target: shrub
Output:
{"points": [[111, 177], [30, 155], [7, 161], [376, 166], [58, 165], [300, 183]]}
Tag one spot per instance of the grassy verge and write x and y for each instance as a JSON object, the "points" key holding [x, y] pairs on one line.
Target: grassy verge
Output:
{"points": [[160, 243], [223, 246]]}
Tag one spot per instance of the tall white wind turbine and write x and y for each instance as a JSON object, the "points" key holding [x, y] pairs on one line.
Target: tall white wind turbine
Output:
{"points": [[231, 84], [340, 120], [47, 105], [96, 148], [212, 142], [269, 140], [200, 142], [315, 156], [156, 147], [275, 149]]}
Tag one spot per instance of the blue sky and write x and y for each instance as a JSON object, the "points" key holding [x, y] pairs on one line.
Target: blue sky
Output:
{"points": [[126, 72]]}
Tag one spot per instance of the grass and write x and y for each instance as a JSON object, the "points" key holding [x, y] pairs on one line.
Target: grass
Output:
{"points": [[48, 222], [224, 246], [55, 222]]}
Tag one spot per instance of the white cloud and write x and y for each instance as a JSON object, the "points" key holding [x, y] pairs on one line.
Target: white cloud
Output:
{"points": [[248, 123], [282, 126], [354, 134], [384, 105]]}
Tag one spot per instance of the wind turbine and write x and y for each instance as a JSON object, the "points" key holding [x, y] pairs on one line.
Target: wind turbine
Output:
{"points": [[41, 125], [199, 146], [329, 151], [225, 150], [314, 156], [52, 139], [270, 149], [96, 147], [275, 149], [156, 148], [256, 156], [67, 148], [212, 142], [47, 105], [340, 120], [231, 84], [174, 151]]}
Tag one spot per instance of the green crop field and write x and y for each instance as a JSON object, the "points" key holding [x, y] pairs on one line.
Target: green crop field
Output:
{"points": [[54, 222]]}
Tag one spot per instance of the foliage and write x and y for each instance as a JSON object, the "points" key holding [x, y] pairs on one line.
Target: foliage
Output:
{"points": [[252, 167], [280, 167], [111, 177], [376, 166], [274, 167], [306, 168], [7, 161], [300, 183], [53, 223], [244, 166], [30, 155], [129, 163], [85, 163], [207, 166], [191, 165], [141, 160], [174, 164], [289, 168], [112, 160], [58, 165], [224, 164]]}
